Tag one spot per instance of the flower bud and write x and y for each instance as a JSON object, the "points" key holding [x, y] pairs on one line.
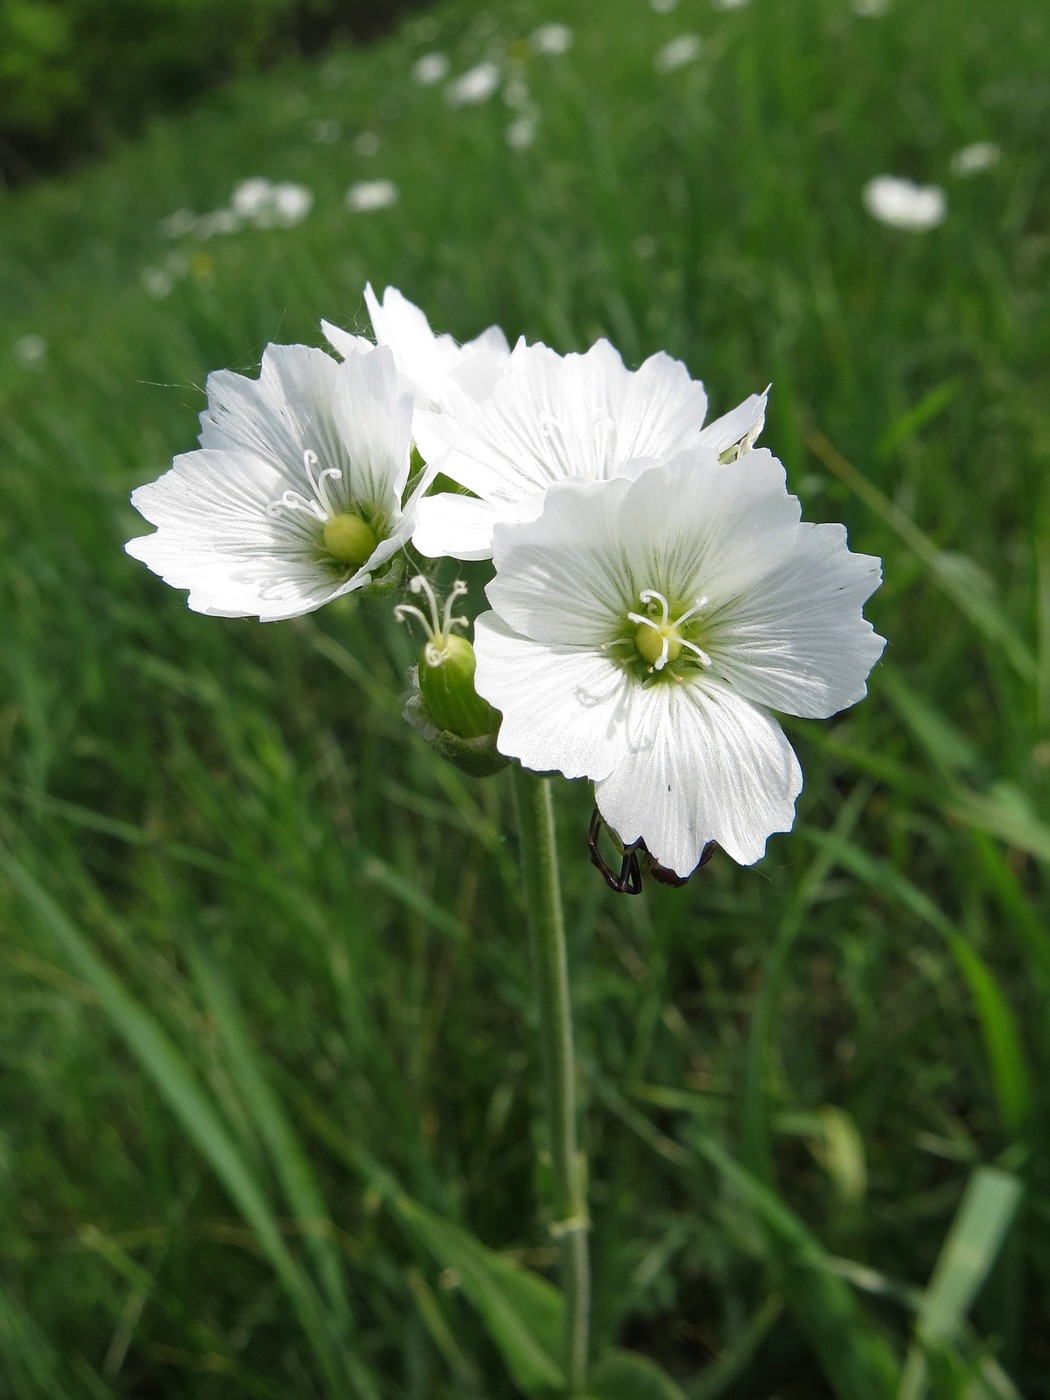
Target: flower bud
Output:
{"points": [[446, 683]]}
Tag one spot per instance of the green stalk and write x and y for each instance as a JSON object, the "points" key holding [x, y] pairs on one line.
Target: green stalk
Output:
{"points": [[539, 864]]}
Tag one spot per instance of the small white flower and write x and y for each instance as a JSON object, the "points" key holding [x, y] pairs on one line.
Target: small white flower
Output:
{"points": [[678, 53], [522, 132], [425, 360], [475, 85], [177, 225], [982, 155], [544, 417], [552, 38], [516, 93], [369, 195], [664, 7], [729, 4], [157, 282], [905, 205], [219, 222], [871, 9], [323, 131], [431, 68], [366, 143], [642, 631], [30, 349], [251, 197], [291, 204], [295, 494]]}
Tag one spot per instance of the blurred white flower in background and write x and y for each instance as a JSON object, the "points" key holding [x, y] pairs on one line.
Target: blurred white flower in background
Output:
{"points": [[475, 85], [157, 281], [981, 155], [552, 38], [729, 4], [903, 204], [870, 9], [261, 202], [663, 7], [522, 131], [177, 225], [323, 131], [369, 195], [431, 68], [30, 349], [516, 92], [678, 53], [366, 143]]}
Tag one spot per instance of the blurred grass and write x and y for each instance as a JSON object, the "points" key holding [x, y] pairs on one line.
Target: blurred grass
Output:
{"points": [[794, 1068]]}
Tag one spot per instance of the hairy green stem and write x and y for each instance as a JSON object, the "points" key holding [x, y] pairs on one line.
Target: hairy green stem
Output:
{"points": [[539, 862]]}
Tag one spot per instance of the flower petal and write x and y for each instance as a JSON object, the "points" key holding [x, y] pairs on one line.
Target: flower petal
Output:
{"points": [[461, 526], [737, 429], [279, 416], [562, 578], [550, 416], [563, 707], [796, 641], [703, 765], [345, 343], [374, 419]]}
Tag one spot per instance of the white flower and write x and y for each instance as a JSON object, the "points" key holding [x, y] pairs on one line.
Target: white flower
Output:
{"points": [[30, 349], [544, 417], [522, 132], [905, 205], [982, 155], [729, 4], [220, 221], [369, 195], [552, 38], [323, 130], [294, 496], [476, 85], [679, 52], [424, 359], [871, 9], [430, 68], [178, 224], [642, 631], [366, 143], [261, 202], [664, 7]]}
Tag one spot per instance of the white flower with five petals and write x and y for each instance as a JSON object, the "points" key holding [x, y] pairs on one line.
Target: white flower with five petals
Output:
{"points": [[295, 494], [509, 431], [642, 631], [424, 359]]}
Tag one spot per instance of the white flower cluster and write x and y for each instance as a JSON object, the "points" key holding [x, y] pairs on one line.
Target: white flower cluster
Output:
{"points": [[655, 592]]}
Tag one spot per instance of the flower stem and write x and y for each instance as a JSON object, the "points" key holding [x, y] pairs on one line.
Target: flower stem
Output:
{"points": [[539, 861]]}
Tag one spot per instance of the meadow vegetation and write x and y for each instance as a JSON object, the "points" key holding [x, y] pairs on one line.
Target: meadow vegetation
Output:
{"points": [[268, 1024]]}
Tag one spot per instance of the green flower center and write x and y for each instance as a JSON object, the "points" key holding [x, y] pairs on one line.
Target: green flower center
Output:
{"points": [[661, 639], [349, 539]]}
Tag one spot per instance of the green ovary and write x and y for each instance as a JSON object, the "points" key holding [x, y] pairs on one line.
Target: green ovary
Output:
{"points": [[650, 643], [349, 539]]}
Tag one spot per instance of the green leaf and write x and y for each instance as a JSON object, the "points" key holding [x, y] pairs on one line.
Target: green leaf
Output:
{"points": [[178, 1085], [976, 1234], [623, 1375], [855, 1357], [523, 1314]]}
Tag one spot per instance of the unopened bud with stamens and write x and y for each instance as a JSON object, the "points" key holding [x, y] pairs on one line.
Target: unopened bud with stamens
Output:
{"points": [[446, 667]]}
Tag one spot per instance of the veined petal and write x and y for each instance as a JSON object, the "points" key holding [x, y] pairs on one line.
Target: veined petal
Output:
{"points": [[424, 358], [549, 417], [563, 707], [565, 577], [703, 765], [461, 526], [279, 416], [374, 419], [796, 641], [696, 526]]}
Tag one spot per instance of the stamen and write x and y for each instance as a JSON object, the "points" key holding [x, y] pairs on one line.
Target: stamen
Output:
{"points": [[650, 595], [437, 629], [698, 652], [698, 606]]}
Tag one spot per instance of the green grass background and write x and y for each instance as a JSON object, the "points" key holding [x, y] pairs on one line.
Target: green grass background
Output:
{"points": [[259, 946]]}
